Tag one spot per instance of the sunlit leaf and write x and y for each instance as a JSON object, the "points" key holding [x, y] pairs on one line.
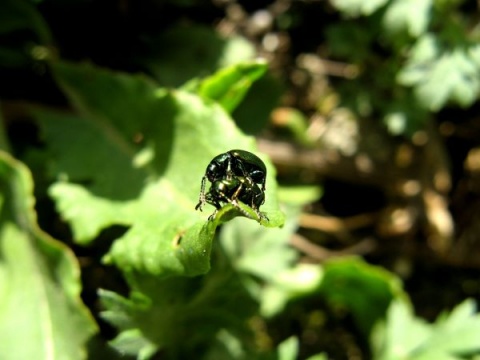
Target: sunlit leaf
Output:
{"points": [[411, 16], [358, 7], [457, 332], [440, 75], [401, 334], [404, 336], [159, 309], [288, 349], [228, 86], [136, 157], [266, 254], [41, 314]]}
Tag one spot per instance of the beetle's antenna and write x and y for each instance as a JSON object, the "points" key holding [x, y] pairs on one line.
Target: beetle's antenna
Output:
{"points": [[201, 199]]}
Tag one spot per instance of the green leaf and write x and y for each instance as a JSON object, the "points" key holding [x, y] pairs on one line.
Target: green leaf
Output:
{"points": [[18, 15], [301, 280], [227, 346], [162, 312], [321, 356], [132, 342], [266, 262], [229, 85], [440, 75], [365, 290], [41, 314], [411, 16], [403, 336], [204, 308], [401, 333], [121, 313], [288, 349], [185, 52], [23, 34], [457, 333], [259, 251], [236, 49], [136, 157], [254, 112], [358, 7]]}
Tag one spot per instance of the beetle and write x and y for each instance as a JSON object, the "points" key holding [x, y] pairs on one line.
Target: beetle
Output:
{"points": [[230, 191], [232, 164], [234, 175]]}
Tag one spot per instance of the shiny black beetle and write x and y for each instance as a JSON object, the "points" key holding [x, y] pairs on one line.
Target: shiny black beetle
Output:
{"points": [[235, 175], [230, 191]]}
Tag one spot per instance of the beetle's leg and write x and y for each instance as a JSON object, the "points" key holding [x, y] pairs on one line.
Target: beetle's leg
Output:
{"points": [[211, 217], [259, 195], [261, 215], [234, 201], [253, 205], [237, 192], [213, 201], [201, 199]]}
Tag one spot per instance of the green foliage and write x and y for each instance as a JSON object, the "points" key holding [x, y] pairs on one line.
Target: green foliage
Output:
{"points": [[440, 74], [196, 50], [410, 16], [41, 314], [432, 50], [347, 281], [161, 313], [160, 157], [160, 309], [146, 175], [358, 7], [452, 336], [281, 279], [18, 18], [229, 86]]}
